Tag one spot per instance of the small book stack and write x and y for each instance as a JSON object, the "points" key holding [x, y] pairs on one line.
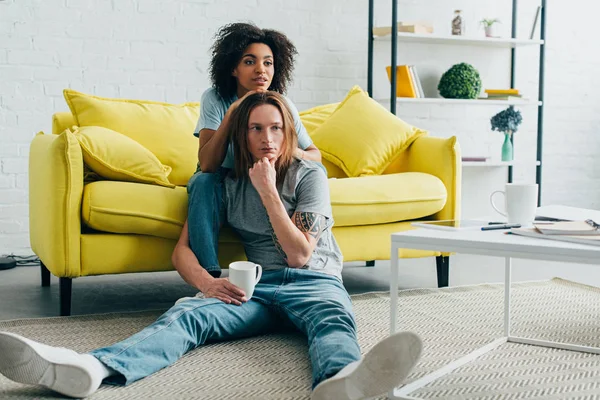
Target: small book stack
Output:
{"points": [[408, 83], [502, 94], [408, 27], [583, 232]]}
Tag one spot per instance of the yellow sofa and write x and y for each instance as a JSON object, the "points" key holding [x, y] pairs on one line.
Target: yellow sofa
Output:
{"points": [[113, 227]]}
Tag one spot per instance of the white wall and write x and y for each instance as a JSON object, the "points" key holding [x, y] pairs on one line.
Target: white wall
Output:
{"points": [[158, 50]]}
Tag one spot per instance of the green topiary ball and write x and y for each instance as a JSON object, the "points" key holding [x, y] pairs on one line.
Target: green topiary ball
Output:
{"points": [[461, 81]]}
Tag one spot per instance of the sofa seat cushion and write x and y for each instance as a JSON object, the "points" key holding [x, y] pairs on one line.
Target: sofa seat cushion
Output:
{"points": [[126, 207], [369, 200], [135, 208]]}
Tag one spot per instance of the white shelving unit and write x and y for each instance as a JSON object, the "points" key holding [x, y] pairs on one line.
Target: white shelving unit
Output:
{"points": [[493, 164], [482, 102], [460, 40], [434, 41]]}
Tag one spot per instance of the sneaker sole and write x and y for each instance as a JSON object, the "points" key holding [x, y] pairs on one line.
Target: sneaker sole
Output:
{"points": [[383, 368], [20, 362]]}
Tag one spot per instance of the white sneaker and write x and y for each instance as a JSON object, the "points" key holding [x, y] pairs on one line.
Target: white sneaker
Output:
{"points": [[62, 370], [383, 368]]}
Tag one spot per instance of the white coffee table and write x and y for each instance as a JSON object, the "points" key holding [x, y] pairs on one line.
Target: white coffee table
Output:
{"points": [[498, 244]]}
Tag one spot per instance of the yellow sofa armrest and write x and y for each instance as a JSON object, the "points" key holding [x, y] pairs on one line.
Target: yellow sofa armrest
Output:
{"points": [[55, 195], [439, 157]]}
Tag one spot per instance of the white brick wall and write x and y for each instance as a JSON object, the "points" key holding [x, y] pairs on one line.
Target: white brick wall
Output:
{"points": [[158, 50]]}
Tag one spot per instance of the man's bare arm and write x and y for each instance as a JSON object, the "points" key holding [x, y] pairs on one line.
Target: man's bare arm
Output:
{"points": [[187, 264], [311, 224], [191, 271]]}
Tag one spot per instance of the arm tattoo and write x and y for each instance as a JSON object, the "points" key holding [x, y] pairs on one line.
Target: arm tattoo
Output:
{"points": [[312, 223], [277, 244]]}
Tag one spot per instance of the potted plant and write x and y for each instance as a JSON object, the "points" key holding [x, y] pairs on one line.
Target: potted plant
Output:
{"points": [[507, 122], [489, 26], [461, 81]]}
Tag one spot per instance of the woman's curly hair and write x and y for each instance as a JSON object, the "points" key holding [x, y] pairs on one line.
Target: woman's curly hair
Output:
{"points": [[230, 42]]}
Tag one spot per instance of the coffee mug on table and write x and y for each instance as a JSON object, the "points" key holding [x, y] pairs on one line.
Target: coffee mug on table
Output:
{"points": [[245, 275], [521, 202]]}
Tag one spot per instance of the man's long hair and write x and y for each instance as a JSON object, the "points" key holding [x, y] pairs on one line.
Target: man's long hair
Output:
{"points": [[238, 133]]}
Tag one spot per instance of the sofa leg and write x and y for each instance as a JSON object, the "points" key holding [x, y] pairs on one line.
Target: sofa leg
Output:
{"points": [[443, 270], [371, 263], [45, 273], [65, 296]]}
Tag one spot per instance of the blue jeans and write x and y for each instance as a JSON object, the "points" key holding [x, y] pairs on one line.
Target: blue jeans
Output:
{"points": [[315, 303], [206, 214]]}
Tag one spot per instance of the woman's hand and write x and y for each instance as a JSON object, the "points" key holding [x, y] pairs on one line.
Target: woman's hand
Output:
{"points": [[222, 289], [263, 176], [236, 103]]}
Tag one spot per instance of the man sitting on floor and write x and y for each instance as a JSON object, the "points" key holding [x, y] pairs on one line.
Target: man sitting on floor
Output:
{"points": [[279, 205]]}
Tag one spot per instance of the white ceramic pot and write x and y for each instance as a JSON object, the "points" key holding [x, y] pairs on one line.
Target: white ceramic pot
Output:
{"points": [[490, 31]]}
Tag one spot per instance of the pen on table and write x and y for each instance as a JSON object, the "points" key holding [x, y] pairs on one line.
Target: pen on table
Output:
{"points": [[495, 227]]}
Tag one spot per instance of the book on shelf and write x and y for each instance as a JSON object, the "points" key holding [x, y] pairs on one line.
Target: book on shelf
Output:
{"points": [[475, 158], [502, 92], [417, 81], [405, 86], [502, 97], [535, 22], [407, 27], [408, 83], [497, 96]]}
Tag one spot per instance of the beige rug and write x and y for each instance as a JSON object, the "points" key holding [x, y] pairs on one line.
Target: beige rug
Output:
{"points": [[451, 321]]}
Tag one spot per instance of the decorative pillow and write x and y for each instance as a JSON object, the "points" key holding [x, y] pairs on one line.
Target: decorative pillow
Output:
{"points": [[164, 129], [362, 137], [314, 117], [119, 158]]}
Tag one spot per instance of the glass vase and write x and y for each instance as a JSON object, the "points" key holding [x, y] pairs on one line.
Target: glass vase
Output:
{"points": [[507, 148]]}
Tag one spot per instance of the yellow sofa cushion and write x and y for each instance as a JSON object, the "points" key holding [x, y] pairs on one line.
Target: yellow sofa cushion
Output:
{"points": [[164, 129], [125, 207], [381, 199], [362, 137], [116, 157], [316, 116]]}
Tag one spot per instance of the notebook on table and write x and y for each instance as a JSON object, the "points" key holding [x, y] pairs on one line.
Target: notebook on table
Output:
{"points": [[579, 228], [593, 240]]}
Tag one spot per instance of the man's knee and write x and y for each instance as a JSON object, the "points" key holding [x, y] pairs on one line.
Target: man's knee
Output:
{"points": [[335, 313], [203, 181]]}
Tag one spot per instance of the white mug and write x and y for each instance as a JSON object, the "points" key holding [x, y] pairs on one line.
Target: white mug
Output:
{"points": [[244, 275], [520, 201]]}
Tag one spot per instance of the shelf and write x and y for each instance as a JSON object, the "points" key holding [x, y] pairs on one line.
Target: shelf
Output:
{"points": [[493, 164], [460, 40], [441, 100]]}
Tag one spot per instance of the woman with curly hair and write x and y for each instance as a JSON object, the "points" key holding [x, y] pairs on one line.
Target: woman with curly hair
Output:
{"points": [[245, 59], [279, 206]]}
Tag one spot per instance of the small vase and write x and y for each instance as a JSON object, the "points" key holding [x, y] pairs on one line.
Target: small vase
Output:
{"points": [[507, 148], [490, 31]]}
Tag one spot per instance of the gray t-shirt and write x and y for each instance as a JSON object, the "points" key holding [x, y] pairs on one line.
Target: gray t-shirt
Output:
{"points": [[304, 189], [213, 108]]}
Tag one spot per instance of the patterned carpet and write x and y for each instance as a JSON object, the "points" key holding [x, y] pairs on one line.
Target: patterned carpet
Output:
{"points": [[451, 321]]}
